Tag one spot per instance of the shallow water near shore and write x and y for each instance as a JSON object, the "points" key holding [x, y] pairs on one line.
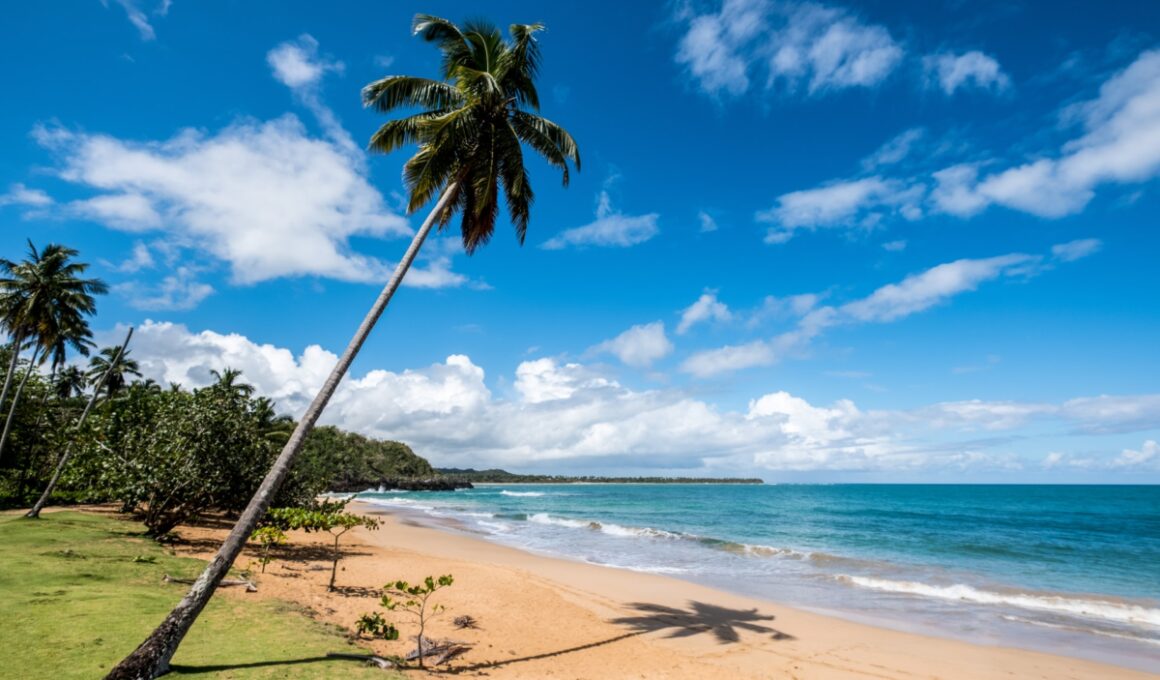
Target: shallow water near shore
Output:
{"points": [[1069, 570]]}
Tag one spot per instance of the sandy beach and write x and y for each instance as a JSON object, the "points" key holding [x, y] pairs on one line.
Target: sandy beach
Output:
{"points": [[540, 617]]}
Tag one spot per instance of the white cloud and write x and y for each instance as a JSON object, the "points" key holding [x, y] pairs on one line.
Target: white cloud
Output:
{"points": [[708, 224], [1111, 413], [971, 69], [611, 229], [639, 346], [179, 291], [140, 259], [894, 151], [706, 308], [297, 64], [730, 358], [264, 197], [18, 194], [891, 302], [139, 18], [566, 413], [852, 203], [1075, 250], [1120, 144], [922, 291], [790, 43], [1148, 456], [894, 246]]}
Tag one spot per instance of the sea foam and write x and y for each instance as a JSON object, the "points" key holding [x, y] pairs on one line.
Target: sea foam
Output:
{"points": [[1107, 610]]}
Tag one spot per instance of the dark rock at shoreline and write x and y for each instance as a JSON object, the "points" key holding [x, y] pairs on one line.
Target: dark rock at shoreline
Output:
{"points": [[409, 484]]}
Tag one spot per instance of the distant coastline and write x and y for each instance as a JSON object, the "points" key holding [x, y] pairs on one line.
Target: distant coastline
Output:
{"points": [[497, 476]]}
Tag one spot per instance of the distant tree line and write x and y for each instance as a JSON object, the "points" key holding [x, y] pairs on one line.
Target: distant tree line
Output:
{"points": [[496, 476]]}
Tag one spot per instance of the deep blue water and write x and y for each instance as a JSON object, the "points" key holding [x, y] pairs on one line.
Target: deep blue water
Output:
{"points": [[1066, 569]]}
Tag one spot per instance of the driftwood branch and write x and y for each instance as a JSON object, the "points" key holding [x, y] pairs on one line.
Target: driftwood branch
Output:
{"points": [[250, 587], [441, 650], [369, 658]]}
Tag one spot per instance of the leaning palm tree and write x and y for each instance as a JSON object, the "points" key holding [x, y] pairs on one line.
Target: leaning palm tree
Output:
{"points": [[114, 367], [43, 298], [469, 136]]}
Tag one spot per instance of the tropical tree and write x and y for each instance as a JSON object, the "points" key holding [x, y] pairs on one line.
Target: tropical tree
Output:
{"points": [[469, 136], [227, 379], [114, 367], [70, 382], [43, 302]]}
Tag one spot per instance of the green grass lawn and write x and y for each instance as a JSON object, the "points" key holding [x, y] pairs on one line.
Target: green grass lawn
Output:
{"points": [[73, 602]]}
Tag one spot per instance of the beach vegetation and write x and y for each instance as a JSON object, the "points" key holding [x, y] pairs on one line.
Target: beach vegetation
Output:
{"points": [[470, 129], [324, 516], [414, 599], [373, 625]]}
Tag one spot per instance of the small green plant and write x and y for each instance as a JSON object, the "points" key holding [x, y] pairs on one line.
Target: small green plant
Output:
{"points": [[413, 599], [269, 536], [375, 626], [325, 516]]}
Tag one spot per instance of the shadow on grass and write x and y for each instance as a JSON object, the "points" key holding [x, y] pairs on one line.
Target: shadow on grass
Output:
{"points": [[722, 622], [218, 668]]}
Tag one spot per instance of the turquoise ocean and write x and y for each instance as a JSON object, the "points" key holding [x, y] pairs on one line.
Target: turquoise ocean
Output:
{"points": [[1065, 569]]}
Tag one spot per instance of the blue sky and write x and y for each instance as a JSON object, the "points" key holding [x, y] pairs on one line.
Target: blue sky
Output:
{"points": [[874, 241]]}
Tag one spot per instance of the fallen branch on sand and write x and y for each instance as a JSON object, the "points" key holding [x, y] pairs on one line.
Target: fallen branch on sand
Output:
{"points": [[369, 658], [442, 650], [250, 587]]}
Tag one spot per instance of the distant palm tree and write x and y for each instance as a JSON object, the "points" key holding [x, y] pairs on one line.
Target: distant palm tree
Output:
{"points": [[114, 369], [227, 380], [70, 382], [52, 345], [44, 302], [469, 134]]}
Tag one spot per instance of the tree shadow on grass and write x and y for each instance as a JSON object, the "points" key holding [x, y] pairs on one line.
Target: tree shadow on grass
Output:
{"points": [[219, 668], [722, 622]]}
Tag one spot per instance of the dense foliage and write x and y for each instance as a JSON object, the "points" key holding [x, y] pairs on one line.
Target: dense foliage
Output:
{"points": [[168, 455]]}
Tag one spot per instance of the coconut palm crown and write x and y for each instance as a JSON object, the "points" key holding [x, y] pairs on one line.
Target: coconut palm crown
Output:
{"points": [[471, 125]]}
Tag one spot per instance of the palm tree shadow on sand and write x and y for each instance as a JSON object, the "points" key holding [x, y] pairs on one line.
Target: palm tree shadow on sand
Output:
{"points": [[700, 617], [722, 622]]}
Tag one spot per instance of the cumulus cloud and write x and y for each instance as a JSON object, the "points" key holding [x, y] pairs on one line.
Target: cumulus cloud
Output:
{"points": [[706, 308], [612, 229], [951, 71], [567, 413], [638, 346], [788, 45], [264, 197], [857, 202]]}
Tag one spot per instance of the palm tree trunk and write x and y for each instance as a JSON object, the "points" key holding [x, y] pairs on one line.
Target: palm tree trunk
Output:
{"points": [[39, 419], [151, 658], [16, 399], [17, 339], [34, 513]]}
